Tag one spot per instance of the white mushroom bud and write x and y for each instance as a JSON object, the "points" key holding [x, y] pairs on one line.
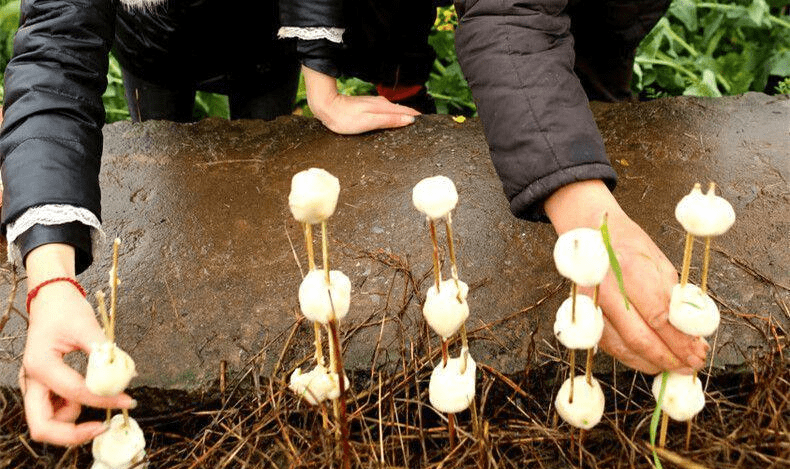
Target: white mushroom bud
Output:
{"points": [[449, 390], [109, 370], [580, 255], [317, 385], [314, 296], [443, 311], [586, 331], [693, 312], [435, 196], [704, 215], [683, 396], [121, 446], [313, 196], [586, 409]]}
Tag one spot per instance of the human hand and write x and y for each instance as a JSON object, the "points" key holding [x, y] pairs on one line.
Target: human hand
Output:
{"points": [[61, 321], [640, 336], [350, 115]]}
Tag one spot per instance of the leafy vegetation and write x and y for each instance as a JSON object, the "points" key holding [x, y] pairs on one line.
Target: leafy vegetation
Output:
{"points": [[703, 48]]}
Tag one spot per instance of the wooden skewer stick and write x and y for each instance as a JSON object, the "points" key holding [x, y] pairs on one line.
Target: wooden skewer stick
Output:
{"points": [[588, 369], [662, 437], [688, 432], [437, 273], [465, 348], [573, 302], [451, 429], [445, 352], [308, 239], [451, 250], [705, 266], [572, 373], [684, 273], [325, 249], [125, 413], [341, 400], [114, 287]]}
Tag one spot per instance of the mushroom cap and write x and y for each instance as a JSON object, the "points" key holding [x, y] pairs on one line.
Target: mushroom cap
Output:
{"points": [[314, 296], [586, 331], [109, 370], [435, 196], [580, 255], [121, 446], [693, 312], [586, 409], [683, 396], [442, 310], [316, 385], [449, 390], [313, 196], [704, 214]]}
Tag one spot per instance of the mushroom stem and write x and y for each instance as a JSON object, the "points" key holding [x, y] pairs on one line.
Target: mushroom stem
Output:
{"points": [[341, 400], [705, 266], [572, 372], [573, 302], [684, 273], [662, 436], [588, 369], [325, 249], [688, 432], [319, 346], [451, 250], [308, 240], [451, 429], [114, 287], [445, 353], [437, 273]]}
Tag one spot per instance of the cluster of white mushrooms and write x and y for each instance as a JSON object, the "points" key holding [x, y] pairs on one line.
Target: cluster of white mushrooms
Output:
{"points": [[452, 385], [581, 256], [691, 310], [324, 294], [109, 372]]}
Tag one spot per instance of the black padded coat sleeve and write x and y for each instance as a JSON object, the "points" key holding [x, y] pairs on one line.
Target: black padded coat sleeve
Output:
{"points": [[320, 55], [518, 58], [51, 140]]}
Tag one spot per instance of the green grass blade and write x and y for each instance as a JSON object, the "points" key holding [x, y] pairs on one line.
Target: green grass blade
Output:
{"points": [[618, 272], [656, 416]]}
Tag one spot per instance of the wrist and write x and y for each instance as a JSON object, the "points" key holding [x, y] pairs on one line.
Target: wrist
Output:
{"points": [[580, 204], [49, 261], [320, 88]]}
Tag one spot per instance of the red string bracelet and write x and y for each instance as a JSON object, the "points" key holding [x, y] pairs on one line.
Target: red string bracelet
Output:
{"points": [[32, 293]]}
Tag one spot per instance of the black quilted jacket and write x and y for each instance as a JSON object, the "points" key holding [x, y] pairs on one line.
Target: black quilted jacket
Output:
{"points": [[51, 139]]}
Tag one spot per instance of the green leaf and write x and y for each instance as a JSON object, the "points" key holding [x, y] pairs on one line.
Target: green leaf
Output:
{"points": [[757, 12], [613, 262], [686, 12], [779, 63], [656, 417], [705, 86]]}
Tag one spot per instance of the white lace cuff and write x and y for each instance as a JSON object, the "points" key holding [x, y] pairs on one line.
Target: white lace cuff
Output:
{"points": [[310, 34], [53, 214], [140, 3]]}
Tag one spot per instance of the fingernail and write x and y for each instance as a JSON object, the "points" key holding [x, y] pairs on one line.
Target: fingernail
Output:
{"points": [[408, 119], [695, 362]]}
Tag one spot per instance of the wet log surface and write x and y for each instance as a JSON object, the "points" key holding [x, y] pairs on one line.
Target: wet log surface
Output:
{"points": [[207, 261]]}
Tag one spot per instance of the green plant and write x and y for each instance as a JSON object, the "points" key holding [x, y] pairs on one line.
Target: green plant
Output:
{"points": [[715, 48], [447, 84], [783, 87]]}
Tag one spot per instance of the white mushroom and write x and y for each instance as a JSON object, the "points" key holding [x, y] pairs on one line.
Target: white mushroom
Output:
{"points": [[586, 331], [435, 196], [442, 310], [313, 196], [316, 385], [580, 255], [683, 396], [449, 390], [120, 447], [693, 312], [314, 296], [704, 214], [109, 370], [587, 407]]}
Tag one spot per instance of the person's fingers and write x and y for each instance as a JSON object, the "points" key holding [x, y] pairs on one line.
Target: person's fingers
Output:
{"points": [[387, 120], [44, 428], [381, 105], [613, 344], [65, 410], [66, 382], [635, 332]]}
